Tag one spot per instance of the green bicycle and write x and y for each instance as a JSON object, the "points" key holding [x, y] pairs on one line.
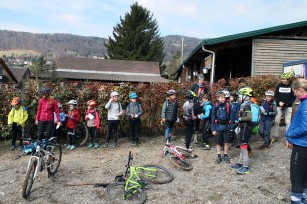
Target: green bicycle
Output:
{"points": [[131, 189]]}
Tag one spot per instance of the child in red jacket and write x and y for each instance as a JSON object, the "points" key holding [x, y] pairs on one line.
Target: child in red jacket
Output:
{"points": [[93, 121], [73, 117]]}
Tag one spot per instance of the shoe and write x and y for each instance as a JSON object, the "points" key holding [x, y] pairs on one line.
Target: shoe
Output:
{"points": [[226, 159], [251, 153], [244, 170], [114, 144], [195, 142], [90, 145], [68, 146], [236, 167], [12, 148], [168, 143], [20, 148], [72, 147], [96, 146], [106, 145], [218, 160], [206, 146]]}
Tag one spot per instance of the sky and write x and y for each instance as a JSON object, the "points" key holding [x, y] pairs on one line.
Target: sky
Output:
{"points": [[193, 18]]}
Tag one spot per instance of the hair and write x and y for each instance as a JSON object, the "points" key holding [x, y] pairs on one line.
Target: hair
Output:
{"points": [[220, 95], [206, 96], [299, 83], [241, 80]]}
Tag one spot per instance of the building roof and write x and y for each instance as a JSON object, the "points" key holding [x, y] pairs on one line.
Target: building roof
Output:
{"points": [[4, 66], [19, 73], [107, 70], [245, 35]]}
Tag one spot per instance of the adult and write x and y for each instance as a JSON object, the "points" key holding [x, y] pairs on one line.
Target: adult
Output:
{"points": [[284, 97], [47, 106], [296, 139], [198, 89]]}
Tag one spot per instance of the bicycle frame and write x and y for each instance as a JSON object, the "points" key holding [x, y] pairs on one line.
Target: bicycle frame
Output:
{"points": [[173, 150]]}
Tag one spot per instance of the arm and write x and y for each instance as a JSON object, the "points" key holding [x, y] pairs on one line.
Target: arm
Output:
{"points": [[39, 109], [274, 112], [108, 105], [120, 108], [292, 99], [10, 118], [163, 110], [213, 125], [276, 95], [76, 116], [86, 115], [25, 117], [140, 110], [97, 120], [128, 113], [301, 128], [207, 112], [56, 110]]}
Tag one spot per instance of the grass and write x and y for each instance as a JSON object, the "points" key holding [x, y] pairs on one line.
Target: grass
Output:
{"points": [[18, 52]]}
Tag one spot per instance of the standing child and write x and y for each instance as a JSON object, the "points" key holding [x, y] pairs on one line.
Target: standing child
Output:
{"points": [[169, 114], [16, 119], [235, 107], [245, 117], [221, 126], [134, 112], [73, 117], [206, 116], [93, 121], [189, 117], [114, 112], [58, 128], [268, 112]]}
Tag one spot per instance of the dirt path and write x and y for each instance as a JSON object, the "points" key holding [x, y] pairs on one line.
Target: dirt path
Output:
{"points": [[206, 183]]}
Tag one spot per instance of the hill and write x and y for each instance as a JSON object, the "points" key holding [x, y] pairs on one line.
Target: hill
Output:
{"points": [[61, 44]]}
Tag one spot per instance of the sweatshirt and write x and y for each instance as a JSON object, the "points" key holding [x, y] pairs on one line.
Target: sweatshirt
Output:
{"points": [[46, 108], [115, 110], [73, 118], [284, 93]]}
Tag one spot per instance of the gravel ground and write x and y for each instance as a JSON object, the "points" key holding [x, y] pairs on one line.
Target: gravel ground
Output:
{"points": [[206, 183]]}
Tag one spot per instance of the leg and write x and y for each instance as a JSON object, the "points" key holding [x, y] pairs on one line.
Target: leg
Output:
{"points": [[206, 132], [277, 121], [267, 131], [41, 129], [132, 129], [171, 127], [261, 128], [116, 131], [95, 134], [167, 130], [14, 134], [226, 139], [50, 127], [110, 127], [189, 132], [137, 130], [288, 115], [197, 124]]}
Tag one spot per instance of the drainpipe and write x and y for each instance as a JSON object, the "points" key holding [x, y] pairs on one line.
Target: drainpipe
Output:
{"points": [[213, 63]]}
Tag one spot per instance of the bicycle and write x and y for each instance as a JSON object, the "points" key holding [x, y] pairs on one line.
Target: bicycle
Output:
{"points": [[178, 156], [47, 155], [129, 189]]}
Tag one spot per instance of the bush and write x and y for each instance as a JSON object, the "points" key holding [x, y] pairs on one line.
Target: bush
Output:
{"points": [[151, 96]]}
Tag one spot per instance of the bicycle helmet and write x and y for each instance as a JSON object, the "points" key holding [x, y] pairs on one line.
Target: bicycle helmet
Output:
{"points": [[269, 93], [286, 75], [114, 93], [60, 105], [133, 95], [227, 94], [200, 76], [72, 102], [91, 103], [189, 94], [246, 91], [45, 90], [171, 92], [16, 101]]}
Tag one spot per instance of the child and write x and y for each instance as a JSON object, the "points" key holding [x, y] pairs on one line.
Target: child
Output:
{"points": [[16, 119], [235, 113], [93, 121], [189, 117], [268, 112], [134, 112], [221, 126], [206, 116], [245, 116], [58, 128], [73, 117], [169, 114], [114, 112]]}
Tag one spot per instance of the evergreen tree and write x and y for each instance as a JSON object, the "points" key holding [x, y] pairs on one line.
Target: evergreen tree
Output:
{"points": [[136, 37], [172, 67]]}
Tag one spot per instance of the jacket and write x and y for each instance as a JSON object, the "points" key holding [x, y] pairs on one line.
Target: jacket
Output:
{"points": [[284, 93], [207, 107], [169, 110], [188, 110], [115, 110], [134, 109], [19, 116], [270, 109], [62, 117], [73, 118], [235, 108], [221, 118], [198, 99], [95, 121], [297, 132], [45, 110]]}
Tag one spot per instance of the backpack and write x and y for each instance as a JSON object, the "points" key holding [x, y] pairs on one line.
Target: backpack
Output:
{"points": [[227, 109], [188, 110], [255, 109]]}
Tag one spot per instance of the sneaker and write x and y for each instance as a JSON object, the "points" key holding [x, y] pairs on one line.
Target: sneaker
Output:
{"points": [[236, 167], [114, 144], [20, 148], [96, 146], [218, 160], [106, 145], [226, 159], [195, 142], [90, 145], [244, 170], [206, 146], [12, 148], [72, 147], [68, 146]]}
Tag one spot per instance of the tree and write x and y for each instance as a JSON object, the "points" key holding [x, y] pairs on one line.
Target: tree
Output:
{"points": [[172, 67], [136, 37], [38, 68], [53, 71]]}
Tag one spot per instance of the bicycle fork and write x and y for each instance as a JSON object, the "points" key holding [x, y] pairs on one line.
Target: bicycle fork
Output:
{"points": [[37, 165]]}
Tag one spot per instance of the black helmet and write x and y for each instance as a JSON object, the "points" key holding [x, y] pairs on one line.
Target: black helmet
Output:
{"points": [[45, 90], [189, 95]]}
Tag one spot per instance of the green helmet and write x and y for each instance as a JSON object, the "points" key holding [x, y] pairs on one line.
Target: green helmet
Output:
{"points": [[287, 75], [246, 91]]}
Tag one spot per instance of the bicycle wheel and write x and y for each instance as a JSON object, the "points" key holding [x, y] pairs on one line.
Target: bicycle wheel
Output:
{"points": [[81, 134], [180, 163], [185, 153], [29, 179], [115, 192], [54, 159], [160, 176]]}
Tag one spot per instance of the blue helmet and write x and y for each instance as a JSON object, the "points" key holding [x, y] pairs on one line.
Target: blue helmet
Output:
{"points": [[133, 95]]}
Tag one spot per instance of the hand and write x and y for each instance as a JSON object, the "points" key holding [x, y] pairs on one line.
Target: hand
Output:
{"points": [[163, 120], [36, 122], [111, 99], [289, 145], [59, 123], [198, 116], [281, 104], [214, 133], [135, 115]]}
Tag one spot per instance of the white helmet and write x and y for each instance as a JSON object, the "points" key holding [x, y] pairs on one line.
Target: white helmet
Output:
{"points": [[269, 93], [73, 102], [227, 94], [114, 93]]}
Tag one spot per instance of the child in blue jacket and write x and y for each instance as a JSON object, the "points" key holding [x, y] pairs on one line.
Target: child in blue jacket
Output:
{"points": [[206, 116], [235, 107]]}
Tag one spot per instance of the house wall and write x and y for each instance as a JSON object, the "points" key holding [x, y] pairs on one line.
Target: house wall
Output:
{"points": [[269, 54], [5, 77]]}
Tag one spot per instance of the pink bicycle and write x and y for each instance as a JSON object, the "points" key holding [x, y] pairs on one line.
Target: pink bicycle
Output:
{"points": [[178, 156]]}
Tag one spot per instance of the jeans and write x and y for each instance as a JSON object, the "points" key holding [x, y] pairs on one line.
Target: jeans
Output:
{"points": [[206, 131], [189, 131], [298, 169], [197, 125], [265, 130], [112, 126], [135, 129], [169, 128], [92, 132], [41, 128], [16, 133], [71, 136], [288, 113]]}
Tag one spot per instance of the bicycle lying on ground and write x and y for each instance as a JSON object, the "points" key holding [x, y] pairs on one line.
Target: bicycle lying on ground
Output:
{"points": [[130, 186], [47, 155], [178, 156]]}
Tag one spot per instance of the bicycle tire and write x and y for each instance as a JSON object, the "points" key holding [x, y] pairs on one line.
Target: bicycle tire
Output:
{"points": [[29, 179], [115, 192], [180, 163], [163, 175], [81, 133], [184, 152], [54, 162]]}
